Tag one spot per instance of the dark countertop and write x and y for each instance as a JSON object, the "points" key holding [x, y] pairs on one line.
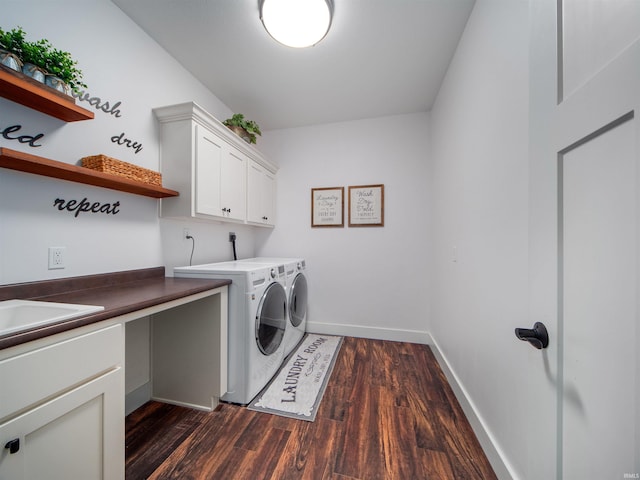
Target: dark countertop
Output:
{"points": [[119, 293]]}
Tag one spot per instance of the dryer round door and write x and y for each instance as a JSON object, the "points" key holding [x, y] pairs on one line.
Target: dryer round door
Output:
{"points": [[298, 300], [271, 318]]}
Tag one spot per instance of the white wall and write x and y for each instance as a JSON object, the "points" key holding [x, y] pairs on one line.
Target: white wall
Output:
{"points": [[479, 184], [120, 64], [469, 192], [369, 281]]}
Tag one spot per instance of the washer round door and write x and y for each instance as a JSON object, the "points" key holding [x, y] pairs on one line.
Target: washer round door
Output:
{"points": [[271, 318], [298, 300]]}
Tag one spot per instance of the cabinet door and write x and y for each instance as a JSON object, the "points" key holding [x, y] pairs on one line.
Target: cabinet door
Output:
{"points": [[261, 195], [79, 434], [209, 154], [269, 198], [233, 184]]}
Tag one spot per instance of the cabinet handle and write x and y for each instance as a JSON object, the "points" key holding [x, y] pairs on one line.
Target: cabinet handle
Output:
{"points": [[13, 445]]}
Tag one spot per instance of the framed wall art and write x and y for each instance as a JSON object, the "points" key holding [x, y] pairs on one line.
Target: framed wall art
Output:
{"points": [[366, 206], [327, 207]]}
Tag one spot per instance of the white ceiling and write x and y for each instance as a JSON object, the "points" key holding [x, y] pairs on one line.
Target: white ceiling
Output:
{"points": [[381, 57]]}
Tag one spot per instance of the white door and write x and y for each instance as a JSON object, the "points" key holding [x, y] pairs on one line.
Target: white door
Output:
{"points": [[584, 238]]}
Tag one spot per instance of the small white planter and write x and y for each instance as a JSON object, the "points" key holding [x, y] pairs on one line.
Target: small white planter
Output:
{"points": [[10, 60], [56, 83], [30, 70]]}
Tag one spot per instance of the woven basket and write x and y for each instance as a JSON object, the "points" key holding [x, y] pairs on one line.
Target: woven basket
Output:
{"points": [[104, 164]]}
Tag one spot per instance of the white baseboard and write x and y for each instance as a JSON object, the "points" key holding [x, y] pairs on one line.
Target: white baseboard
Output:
{"points": [[491, 450], [376, 333], [138, 397], [215, 401]]}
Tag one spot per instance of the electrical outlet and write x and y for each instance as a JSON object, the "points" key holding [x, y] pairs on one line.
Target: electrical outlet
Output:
{"points": [[232, 236], [186, 233], [56, 257]]}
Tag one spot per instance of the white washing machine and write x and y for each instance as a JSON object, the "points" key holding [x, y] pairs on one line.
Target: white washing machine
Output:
{"points": [[257, 323], [297, 297]]}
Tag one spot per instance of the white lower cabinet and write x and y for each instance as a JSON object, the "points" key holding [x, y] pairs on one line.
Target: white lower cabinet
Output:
{"points": [[62, 398], [62, 409], [211, 168], [70, 436]]}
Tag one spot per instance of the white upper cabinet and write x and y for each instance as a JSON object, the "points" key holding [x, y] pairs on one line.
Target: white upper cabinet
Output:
{"points": [[233, 186], [207, 163], [261, 195], [212, 169], [220, 183]]}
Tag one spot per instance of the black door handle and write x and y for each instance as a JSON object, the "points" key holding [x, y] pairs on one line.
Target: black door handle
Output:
{"points": [[13, 445], [536, 336]]}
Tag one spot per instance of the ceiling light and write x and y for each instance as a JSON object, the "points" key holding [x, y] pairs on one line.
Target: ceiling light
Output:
{"points": [[296, 23]]}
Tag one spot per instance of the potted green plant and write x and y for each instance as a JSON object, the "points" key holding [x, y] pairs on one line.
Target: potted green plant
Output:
{"points": [[245, 129], [11, 48], [62, 71], [34, 56], [40, 60]]}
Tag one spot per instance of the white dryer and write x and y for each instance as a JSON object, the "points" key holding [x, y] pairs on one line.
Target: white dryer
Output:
{"points": [[257, 322], [297, 297]]}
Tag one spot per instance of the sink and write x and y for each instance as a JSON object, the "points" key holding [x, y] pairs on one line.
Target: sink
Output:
{"points": [[17, 315]]}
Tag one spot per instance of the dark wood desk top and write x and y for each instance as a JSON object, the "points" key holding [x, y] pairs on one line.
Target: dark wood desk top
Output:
{"points": [[119, 293]]}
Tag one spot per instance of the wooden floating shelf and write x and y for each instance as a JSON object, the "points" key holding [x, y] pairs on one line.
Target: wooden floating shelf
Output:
{"points": [[25, 162], [19, 88]]}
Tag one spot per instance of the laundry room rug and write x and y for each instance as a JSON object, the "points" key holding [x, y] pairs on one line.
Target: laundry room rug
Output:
{"points": [[297, 389]]}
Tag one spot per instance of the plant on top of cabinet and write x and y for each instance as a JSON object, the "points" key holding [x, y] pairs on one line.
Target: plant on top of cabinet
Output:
{"points": [[11, 48], [245, 129]]}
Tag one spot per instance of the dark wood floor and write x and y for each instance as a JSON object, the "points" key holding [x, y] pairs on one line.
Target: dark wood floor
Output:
{"points": [[388, 413]]}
